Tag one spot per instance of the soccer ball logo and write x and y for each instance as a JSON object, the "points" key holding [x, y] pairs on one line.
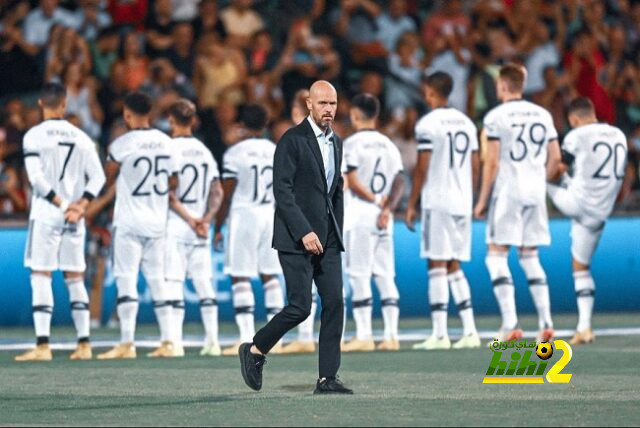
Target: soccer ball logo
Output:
{"points": [[544, 350]]}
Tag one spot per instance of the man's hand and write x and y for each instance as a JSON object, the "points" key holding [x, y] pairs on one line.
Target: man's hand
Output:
{"points": [[218, 242], [410, 218], [383, 219], [480, 208], [73, 214], [312, 243], [202, 228]]}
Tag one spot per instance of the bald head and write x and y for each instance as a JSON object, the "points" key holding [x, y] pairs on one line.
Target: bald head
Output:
{"points": [[322, 103]]}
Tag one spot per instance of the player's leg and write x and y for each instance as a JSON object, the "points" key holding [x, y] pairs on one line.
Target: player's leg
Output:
{"points": [[244, 307], [72, 262], [360, 247], [504, 229], [177, 257], [584, 241], [462, 298], [536, 234], [41, 257], [153, 269], [384, 273], [436, 246], [201, 274], [539, 289], [127, 255]]}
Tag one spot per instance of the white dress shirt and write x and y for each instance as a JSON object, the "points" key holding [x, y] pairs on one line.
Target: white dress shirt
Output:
{"points": [[325, 142]]}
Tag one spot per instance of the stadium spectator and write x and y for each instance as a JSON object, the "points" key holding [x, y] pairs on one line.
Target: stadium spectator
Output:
{"points": [[181, 52], [81, 99], [64, 48], [184, 10], [38, 22], [393, 23], [128, 12], [134, 61], [355, 23], [208, 21], [88, 19], [111, 96], [104, 52], [449, 19], [159, 28], [17, 67], [241, 22], [403, 79]]}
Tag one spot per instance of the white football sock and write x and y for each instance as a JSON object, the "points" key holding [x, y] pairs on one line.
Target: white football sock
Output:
{"points": [[462, 296], [161, 295], [127, 308], [174, 295], [273, 298], [498, 267], [389, 297], [244, 305], [538, 287], [439, 301], [362, 301], [585, 294], [79, 307], [305, 328], [208, 309], [42, 303]]}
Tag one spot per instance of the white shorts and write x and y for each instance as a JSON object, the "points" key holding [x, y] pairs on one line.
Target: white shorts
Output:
{"points": [[370, 252], [445, 236], [248, 250], [585, 230], [187, 260], [133, 252], [50, 248], [511, 222]]}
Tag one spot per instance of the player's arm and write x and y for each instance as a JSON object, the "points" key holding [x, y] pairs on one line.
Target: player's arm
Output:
{"points": [[216, 196], [392, 201], [357, 188], [111, 169], [475, 171], [228, 189], [37, 179], [419, 178], [95, 182], [489, 174], [100, 203], [555, 164]]}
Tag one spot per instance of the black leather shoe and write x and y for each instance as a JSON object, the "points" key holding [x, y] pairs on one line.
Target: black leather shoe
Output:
{"points": [[331, 386], [251, 366]]}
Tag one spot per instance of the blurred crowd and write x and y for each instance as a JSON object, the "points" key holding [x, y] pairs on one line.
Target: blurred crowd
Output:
{"points": [[225, 54]]}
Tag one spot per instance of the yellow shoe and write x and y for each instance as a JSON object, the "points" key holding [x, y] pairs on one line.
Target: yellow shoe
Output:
{"points": [[276, 349], [357, 345], [389, 345], [178, 351], [82, 352], [39, 353], [299, 347], [231, 351], [433, 343], [123, 351], [211, 351], [164, 351], [583, 337]]}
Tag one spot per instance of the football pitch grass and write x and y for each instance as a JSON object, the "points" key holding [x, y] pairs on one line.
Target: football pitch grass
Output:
{"points": [[403, 388]]}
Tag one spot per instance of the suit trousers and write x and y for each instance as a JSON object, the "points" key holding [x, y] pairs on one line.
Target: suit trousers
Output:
{"points": [[299, 271]]}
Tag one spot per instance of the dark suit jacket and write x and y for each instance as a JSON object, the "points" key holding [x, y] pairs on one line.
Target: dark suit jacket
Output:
{"points": [[303, 204]]}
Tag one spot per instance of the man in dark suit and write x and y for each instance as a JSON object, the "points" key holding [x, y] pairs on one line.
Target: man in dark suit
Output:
{"points": [[307, 186]]}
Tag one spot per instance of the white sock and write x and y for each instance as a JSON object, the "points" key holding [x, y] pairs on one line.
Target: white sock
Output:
{"points": [[208, 309], [362, 301], [305, 328], [273, 298], [164, 316], [177, 307], [244, 305], [439, 301], [585, 294], [538, 287], [79, 307], [42, 303], [389, 297], [462, 297], [127, 308], [503, 289]]}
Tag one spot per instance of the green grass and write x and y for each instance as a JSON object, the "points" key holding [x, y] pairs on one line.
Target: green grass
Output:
{"points": [[405, 388]]}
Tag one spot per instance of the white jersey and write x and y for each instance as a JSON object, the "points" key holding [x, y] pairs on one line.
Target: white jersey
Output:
{"points": [[60, 159], [142, 187], [452, 138], [599, 154], [250, 163], [524, 130], [377, 162], [197, 170]]}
